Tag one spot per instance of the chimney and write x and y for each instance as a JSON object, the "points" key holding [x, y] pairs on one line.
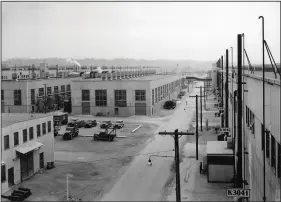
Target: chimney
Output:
{"points": [[57, 68], [122, 75], [130, 74], [104, 76]]}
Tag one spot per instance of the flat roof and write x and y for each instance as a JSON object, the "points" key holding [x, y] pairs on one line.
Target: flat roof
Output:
{"points": [[142, 78], [218, 148], [12, 118]]}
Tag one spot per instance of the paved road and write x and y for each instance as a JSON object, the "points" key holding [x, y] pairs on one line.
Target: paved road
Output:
{"points": [[142, 182]]}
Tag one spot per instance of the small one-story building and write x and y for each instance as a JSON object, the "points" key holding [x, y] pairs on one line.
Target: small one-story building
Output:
{"points": [[27, 146], [124, 93]]}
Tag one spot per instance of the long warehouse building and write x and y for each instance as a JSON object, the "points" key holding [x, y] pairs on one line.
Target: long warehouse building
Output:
{"points": [[124, 94]]}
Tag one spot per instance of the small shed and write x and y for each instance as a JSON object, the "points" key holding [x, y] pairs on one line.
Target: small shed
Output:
{"points": [[219, 162]]}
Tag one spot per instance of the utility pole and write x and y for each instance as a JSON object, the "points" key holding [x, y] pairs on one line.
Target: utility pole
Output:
{"points": [[45, 99], [239, 118], [226, 91], [200, 105], [177, 158], [196, 96]]}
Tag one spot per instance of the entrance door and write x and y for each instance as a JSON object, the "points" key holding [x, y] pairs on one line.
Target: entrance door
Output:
{"points": [[140, 109], [26, 164], [41, 160], [86, 109], [116, 111], [11, 176]]}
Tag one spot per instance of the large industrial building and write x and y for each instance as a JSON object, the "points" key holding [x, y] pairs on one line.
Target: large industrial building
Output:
{"points": [[124, 93], [254, 143], [27, 145], [29, 95]]}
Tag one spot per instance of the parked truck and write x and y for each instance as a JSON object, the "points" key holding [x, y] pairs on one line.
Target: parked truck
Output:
{"points": [[70, 133]]}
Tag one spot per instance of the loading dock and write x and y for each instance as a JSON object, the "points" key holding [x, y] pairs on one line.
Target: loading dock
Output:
{"points": [[140, 108], [219, 162]]}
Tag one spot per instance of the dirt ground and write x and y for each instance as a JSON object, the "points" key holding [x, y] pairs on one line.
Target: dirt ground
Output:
{"points": [[95, 165]]}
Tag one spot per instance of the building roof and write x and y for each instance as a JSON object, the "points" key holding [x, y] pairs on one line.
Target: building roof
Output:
{"points": [[218, 148], [12, 118], [142, 78]]}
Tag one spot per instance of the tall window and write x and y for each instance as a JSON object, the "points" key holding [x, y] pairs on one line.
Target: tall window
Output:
{"points": [[43, 128], [49, 126], [62, 88], [41, 92], [38, 129], [3, 173], [16, 138], [17, 97], [267, 141], [24, 135], [85, 95], [68, 88], [273, 153], [32, 96], [6, 142], [156, 95], [140, 95], [49, 90], [152, 96], [101, 97], [159, 94], [31, 136], [120, 98], [2, 95], [56, 89]]}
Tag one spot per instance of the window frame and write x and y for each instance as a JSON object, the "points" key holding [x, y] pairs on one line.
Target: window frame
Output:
{"points": [[3, 173], [85, 95], [6, 142], [16, 134], [101, 97], [31, 133], [49, 126], [140, 95], [44, 129], [2, 95], [38, 130], [24, 135], [120, 97], [17, 97], [273, 152], [267, 144]]}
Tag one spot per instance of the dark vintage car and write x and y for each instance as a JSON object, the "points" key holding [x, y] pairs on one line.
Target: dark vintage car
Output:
{"points": [[170, 104], [105, 124], [76, 122], [104, 136], [90, 123], [119, 124], [70, 132]]}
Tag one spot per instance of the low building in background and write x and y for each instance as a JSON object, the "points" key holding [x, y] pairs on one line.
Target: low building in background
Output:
{"points": [[27, 146]]}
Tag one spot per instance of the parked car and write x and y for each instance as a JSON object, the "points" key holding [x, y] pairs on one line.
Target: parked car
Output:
{"points": [[90, 123], [106, 124], [104, 136], [81, 123], [70, 132], [119, 124], [170, 104]]}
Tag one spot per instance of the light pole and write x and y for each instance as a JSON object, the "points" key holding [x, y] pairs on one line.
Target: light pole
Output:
{"points": [[67, 194], [263, 106]]}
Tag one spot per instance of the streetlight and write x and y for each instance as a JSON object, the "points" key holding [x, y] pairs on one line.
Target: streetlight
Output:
{"points": [[67, 176]]}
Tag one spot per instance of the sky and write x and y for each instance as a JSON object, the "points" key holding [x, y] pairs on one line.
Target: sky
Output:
{"points": [[139, 30]]}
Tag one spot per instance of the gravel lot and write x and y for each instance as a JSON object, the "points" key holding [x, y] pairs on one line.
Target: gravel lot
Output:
{"points": [[95, 165]]}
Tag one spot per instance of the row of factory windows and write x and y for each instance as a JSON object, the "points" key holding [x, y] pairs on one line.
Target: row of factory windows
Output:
{"points": [[163, 91], [119, 95], [26, 133], [18, 94], [268, 143]]}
